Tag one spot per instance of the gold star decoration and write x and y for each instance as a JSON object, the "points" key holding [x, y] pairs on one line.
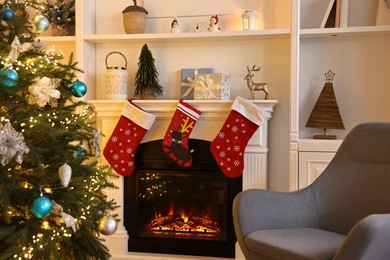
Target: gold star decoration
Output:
{"points": [[329, 76]]}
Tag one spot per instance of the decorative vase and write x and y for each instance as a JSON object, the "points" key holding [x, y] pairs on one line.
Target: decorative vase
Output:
{"points": [[62, 30], [147, 94], [134, 19]]}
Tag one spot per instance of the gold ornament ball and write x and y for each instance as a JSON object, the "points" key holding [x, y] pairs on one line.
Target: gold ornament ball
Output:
{"points": [[107, 225]]}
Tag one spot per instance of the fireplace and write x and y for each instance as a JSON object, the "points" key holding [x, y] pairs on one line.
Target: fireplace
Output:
{"points": [[177, 210], [214, 113]]}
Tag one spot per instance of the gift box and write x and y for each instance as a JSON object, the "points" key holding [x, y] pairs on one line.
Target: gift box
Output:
{"points": [[212, 86], [187, 84]]}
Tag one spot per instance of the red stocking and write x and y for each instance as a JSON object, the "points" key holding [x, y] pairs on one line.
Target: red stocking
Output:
{"points": [[229, 145], [121, 147], [175, 143]]}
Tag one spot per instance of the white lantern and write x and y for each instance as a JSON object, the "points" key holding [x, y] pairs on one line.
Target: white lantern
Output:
{"points": [[116, 80], [249, 20]]}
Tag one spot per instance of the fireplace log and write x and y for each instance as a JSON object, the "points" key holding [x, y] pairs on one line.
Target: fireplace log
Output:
{"points": [[204, 221], [165, 221]]}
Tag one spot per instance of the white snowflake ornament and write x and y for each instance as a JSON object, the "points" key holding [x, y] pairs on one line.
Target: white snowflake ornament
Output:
{"points": [[44, 92], [11, 144]]}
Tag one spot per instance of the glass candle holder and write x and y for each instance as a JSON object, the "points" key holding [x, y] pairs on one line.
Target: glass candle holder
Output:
{"points": [[249, 20]]}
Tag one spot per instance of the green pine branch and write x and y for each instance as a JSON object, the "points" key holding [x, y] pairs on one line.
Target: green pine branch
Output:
{"points": [[53, 133]]}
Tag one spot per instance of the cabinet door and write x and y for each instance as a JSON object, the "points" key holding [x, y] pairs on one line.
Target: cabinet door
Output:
{"points": [[311, 165]]}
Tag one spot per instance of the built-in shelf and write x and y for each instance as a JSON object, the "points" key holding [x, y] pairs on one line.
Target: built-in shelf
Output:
{"points": [[345, 31], [57, 39], [182, 37]]}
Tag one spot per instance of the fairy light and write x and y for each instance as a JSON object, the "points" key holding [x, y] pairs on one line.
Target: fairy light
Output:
{"points": [[3, 119], [48, 190], [45, 225]]}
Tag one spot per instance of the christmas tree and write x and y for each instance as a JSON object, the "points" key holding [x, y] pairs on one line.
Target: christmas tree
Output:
{"points": [[146, 78], [52, 201]]}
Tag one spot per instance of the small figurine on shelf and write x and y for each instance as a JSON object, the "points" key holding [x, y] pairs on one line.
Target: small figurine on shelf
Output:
{"points": [[213, 26], [175, 28], [255, 86], [197, 27]]}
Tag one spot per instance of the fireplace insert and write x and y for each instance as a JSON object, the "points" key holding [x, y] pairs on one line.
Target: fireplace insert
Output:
{"points": [[177, 210]]}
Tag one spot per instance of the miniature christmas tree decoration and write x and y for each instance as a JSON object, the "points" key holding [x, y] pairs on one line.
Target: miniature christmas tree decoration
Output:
{"points": [[326, 114], [146, 79]]}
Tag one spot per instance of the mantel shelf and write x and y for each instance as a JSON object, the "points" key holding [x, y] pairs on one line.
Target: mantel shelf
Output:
{"points": [[170, 105], [345, 31], [191, 37]]}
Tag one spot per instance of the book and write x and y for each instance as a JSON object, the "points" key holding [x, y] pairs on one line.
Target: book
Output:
{"points": [[325, 21], [344, 9]]}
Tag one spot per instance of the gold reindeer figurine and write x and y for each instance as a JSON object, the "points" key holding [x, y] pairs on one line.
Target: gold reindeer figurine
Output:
{"points": [[255, 86]]}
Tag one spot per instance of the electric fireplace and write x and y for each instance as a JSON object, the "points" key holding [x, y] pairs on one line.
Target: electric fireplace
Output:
{"points": [[214, 114], [177, 210]]}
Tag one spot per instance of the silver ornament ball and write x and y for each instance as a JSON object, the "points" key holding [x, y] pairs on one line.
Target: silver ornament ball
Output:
{"points": [[107, 225], [40, 23]]}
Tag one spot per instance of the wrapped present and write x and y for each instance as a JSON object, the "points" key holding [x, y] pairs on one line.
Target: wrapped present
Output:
{"points": [[212, 86], [188, 81]]}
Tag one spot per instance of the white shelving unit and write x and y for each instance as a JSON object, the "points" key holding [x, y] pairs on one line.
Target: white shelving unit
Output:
{"points": [[359, 57], [293, 59]]}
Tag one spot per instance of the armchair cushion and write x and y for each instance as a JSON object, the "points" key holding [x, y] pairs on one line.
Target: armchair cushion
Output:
{"points": [[294, 243]]}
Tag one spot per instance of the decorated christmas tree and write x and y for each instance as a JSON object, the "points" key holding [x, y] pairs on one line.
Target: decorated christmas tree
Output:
{"points": [[52, 201]]}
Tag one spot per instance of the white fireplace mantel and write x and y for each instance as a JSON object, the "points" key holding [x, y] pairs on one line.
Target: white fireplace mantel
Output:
{"points": [[214, 114]]}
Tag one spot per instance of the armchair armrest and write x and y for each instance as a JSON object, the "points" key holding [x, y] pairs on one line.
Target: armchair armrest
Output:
{"points": [[368, 239], [257, 209]]}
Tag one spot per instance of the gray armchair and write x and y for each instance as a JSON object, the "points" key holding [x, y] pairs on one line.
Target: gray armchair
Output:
{"points": [[344, 214]]}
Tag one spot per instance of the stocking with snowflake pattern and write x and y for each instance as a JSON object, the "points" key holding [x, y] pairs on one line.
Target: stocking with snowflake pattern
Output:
{"points": [[229, 145], [121, 147]]}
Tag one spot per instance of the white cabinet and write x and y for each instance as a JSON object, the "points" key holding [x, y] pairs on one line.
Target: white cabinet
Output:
{"points": [[311, 165], [314, 157]]}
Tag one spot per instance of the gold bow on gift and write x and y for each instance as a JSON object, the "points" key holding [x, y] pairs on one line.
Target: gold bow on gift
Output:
{"points": [[207, 84], [190, 84]]}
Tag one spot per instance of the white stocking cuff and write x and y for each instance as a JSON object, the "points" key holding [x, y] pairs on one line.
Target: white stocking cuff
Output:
{"points": [[250, 111], [138, 115]]}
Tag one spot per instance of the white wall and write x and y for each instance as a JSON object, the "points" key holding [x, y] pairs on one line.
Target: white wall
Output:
{"points": [[230, 57]]}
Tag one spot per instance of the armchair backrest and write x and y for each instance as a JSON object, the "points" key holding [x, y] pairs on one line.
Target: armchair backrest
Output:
{"points": [[356, 182]]}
